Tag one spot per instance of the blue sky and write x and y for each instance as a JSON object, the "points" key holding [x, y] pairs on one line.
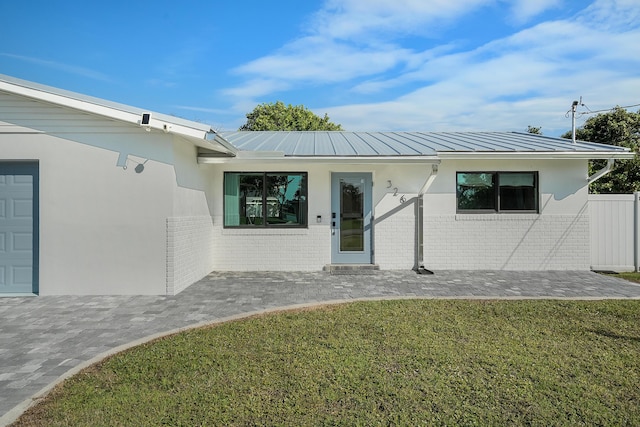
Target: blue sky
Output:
{"points": [[372, 65]]}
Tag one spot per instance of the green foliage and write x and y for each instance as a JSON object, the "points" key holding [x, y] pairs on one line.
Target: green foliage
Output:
{"points": [[278, 116], [617, 127], [536, 130], [411, 362]]}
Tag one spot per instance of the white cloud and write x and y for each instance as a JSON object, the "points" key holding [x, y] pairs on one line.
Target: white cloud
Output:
{"points": [[614, 15], [529, 78], [320, 60], [202, 109], [363, 19], [344, 42], [523, 10], [80, 71], [526, 78], [256, 88]]}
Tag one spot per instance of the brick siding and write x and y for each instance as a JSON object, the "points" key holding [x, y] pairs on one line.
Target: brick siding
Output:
{"points": [[190, 251], [507, 242]]}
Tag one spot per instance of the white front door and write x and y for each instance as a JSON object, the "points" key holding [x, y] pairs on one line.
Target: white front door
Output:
{"points": [[351, 218]]}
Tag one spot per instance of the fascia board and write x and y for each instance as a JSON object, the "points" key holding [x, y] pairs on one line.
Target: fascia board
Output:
{"points": [[322, 159], [213, 137], [209, 145], [618, 155], [248, 158], [158, 121]]}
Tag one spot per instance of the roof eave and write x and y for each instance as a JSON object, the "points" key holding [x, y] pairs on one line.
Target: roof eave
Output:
{"points": [[196, 133], [618, 155], [275, 158]]}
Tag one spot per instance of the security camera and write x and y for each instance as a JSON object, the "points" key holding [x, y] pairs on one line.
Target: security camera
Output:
{"points": [[146, 119]]}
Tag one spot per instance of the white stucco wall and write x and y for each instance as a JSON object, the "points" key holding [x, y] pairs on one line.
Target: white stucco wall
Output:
{"points": [[310, 248], [101, 231], [190, 230], [105, 229], [557, 238]]}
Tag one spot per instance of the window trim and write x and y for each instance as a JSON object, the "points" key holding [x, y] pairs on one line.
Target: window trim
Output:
{"points": [[497, 210], [265, 225]]}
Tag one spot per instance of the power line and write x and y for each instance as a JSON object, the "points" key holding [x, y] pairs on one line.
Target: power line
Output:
{"points": [[590, 111]]}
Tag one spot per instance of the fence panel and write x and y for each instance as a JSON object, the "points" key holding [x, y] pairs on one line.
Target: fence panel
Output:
{"points": [[614, 231]]}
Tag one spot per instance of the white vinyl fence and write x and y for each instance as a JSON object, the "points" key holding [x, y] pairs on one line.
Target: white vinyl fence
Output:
{"points": [[615, 224]]}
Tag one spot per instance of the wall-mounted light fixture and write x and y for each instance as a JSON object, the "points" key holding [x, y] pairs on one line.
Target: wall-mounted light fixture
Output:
{"points": [[124, 159]]}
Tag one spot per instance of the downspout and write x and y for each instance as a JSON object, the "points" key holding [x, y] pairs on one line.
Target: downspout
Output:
{"points": [[419, 264], [602, 172]]}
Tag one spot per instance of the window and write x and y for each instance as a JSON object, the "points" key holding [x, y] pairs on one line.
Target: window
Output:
{"points": [[265, 199], [497, 191]]}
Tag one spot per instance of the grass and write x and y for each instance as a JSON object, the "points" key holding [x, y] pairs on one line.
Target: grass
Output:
{"points": [[409, 362], [631, 276]]}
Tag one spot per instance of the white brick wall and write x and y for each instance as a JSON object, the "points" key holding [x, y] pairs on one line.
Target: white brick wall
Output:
{"points": [[299, 249], [190, 251], [463, 242], [394, 238], [507, 242]]}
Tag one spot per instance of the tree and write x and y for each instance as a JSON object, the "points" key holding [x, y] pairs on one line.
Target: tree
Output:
{"points": [[617, 127], [277, 116], [536, 130]]}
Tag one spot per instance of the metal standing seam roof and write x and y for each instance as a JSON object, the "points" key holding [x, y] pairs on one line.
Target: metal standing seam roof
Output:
{"points": [[346, 144]]}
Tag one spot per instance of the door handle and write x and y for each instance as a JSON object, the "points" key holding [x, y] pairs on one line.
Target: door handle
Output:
{"points": [[333, 223]]}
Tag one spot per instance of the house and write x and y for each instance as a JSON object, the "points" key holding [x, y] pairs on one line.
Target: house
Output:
{"points": [[103, 198]]}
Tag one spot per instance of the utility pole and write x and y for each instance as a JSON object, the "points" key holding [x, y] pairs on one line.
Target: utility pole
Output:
{"points": [[574, 106]]}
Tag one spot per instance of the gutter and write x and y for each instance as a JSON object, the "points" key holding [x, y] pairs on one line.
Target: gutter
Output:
{"points": [[279, 157], [602, 172], [521, 155], [419, 262]]}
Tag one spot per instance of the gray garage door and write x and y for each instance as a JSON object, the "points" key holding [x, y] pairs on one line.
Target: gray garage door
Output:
{"points": [[18, 227]]}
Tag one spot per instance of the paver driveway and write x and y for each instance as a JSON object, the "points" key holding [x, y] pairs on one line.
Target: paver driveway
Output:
{"points": [[42, 338]]}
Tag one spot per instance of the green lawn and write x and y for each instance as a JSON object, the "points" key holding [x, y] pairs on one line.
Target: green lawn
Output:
{"points": [[630, 275], [407, 362]]}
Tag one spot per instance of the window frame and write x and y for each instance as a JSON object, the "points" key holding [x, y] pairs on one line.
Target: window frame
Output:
{"points": [[496, 194], [265, 224]]}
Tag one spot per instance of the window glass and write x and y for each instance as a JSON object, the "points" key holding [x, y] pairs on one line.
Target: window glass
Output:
{"points": [[352, 215], [286, 199], [497, 191], [517, 191], [476, 191], [232, 199], [259, 199]]}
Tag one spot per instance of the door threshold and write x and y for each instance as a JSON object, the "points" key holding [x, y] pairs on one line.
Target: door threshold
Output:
{"points": [[17, 294], [352, 268]]}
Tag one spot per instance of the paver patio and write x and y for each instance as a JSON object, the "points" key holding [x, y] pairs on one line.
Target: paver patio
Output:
{"points": [[43, 338]]}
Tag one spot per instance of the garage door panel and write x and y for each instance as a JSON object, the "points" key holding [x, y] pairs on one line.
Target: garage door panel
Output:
{"points": [[22, 242], [25, 180], [21, 275], [18, 223], [21, 209]]}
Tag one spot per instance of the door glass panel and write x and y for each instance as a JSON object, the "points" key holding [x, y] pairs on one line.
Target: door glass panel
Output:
{"points": [[351, 215]]}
